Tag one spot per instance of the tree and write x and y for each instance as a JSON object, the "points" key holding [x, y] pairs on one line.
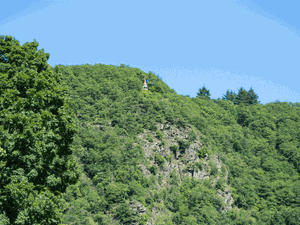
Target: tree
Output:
{"points": [[203, 93], [36, 131], [229, 96], [253, 97], [242, 97], [246, 97]]}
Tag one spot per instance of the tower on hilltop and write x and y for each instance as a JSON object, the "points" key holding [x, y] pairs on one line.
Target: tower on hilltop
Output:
{"points": [[145, 87]]}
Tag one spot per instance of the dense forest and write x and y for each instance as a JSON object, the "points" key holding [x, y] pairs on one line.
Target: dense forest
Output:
{"points": [[86, 144]]}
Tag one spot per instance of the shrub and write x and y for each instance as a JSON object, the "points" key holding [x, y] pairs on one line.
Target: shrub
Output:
{"points": [[149, 200], [198, 165], [213, 170], [153, 169], [159, 135], [150, 139], [160, 178], [174, 148], [163, 143], [192, 136], [125, 213], [169, 158], [152, 127], [159, 159], [183, 145], [223, 169], [220, 185], [202, 152]]}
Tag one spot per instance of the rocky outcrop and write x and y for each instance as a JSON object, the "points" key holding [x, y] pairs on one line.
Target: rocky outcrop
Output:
{"points": [[185, 161]]}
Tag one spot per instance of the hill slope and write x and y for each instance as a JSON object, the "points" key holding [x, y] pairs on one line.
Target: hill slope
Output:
{"points": [[155, 157]]}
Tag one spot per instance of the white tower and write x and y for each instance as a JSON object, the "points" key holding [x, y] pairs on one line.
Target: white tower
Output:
{"points": [[145, 84]]}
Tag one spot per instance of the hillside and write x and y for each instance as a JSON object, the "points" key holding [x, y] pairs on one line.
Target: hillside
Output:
{"points": [[155, 157]]}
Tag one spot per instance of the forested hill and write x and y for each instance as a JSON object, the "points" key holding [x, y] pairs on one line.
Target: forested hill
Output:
{"points": [[247, 150]]}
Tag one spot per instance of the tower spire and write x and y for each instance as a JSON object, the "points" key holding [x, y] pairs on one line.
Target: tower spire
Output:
{"points": [[145, 84]]}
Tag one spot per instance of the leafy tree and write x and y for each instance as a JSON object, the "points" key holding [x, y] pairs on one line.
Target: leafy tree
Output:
{"points": [[36, 130], [125, 213], [203, 93]]}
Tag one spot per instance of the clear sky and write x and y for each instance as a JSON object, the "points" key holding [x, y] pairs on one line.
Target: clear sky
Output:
{"points": [[222, 44]]}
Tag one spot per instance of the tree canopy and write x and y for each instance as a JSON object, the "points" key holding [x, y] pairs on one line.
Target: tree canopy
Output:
{"points": [[257, 143], [242, 98], [36, 131], [203, 93]]}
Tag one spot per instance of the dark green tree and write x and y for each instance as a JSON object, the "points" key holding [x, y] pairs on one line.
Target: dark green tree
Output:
{"points": [[242, 98], [203, 93], [253, 97], [229, 96], [245, 97], [36, 130]]}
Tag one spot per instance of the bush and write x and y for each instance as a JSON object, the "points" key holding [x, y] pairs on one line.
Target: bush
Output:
{"points": [[125, 213], [169, 158], [153, 169], [150, 139], [159, 135], [149, 200], [202, 152], [223, 169], [174, 149], [213, 170], [220, 185], [183, 145], [159, 159], [199, 165], [163, 143], [192, 136]]}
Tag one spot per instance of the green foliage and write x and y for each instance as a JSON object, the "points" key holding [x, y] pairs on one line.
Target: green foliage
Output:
{"points": [[183, 145], [143, 219], [198, 166], [213, 168], [223, 170], [159, 135], [220, 184], [203, 93], [202, 152], [150, 139], [163, 143], [124, 213], [259, 145], [169, 158], [242, 98], [36, 133], [192, 136], [174, 149], [160, 160], [153, 169], [229, 96]]}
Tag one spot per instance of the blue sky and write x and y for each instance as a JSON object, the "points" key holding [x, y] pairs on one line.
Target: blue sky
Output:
{"points": [[222, 44]]}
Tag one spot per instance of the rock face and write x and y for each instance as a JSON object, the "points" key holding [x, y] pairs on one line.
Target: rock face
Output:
{"points": [[178, 160], [184, 161]]}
